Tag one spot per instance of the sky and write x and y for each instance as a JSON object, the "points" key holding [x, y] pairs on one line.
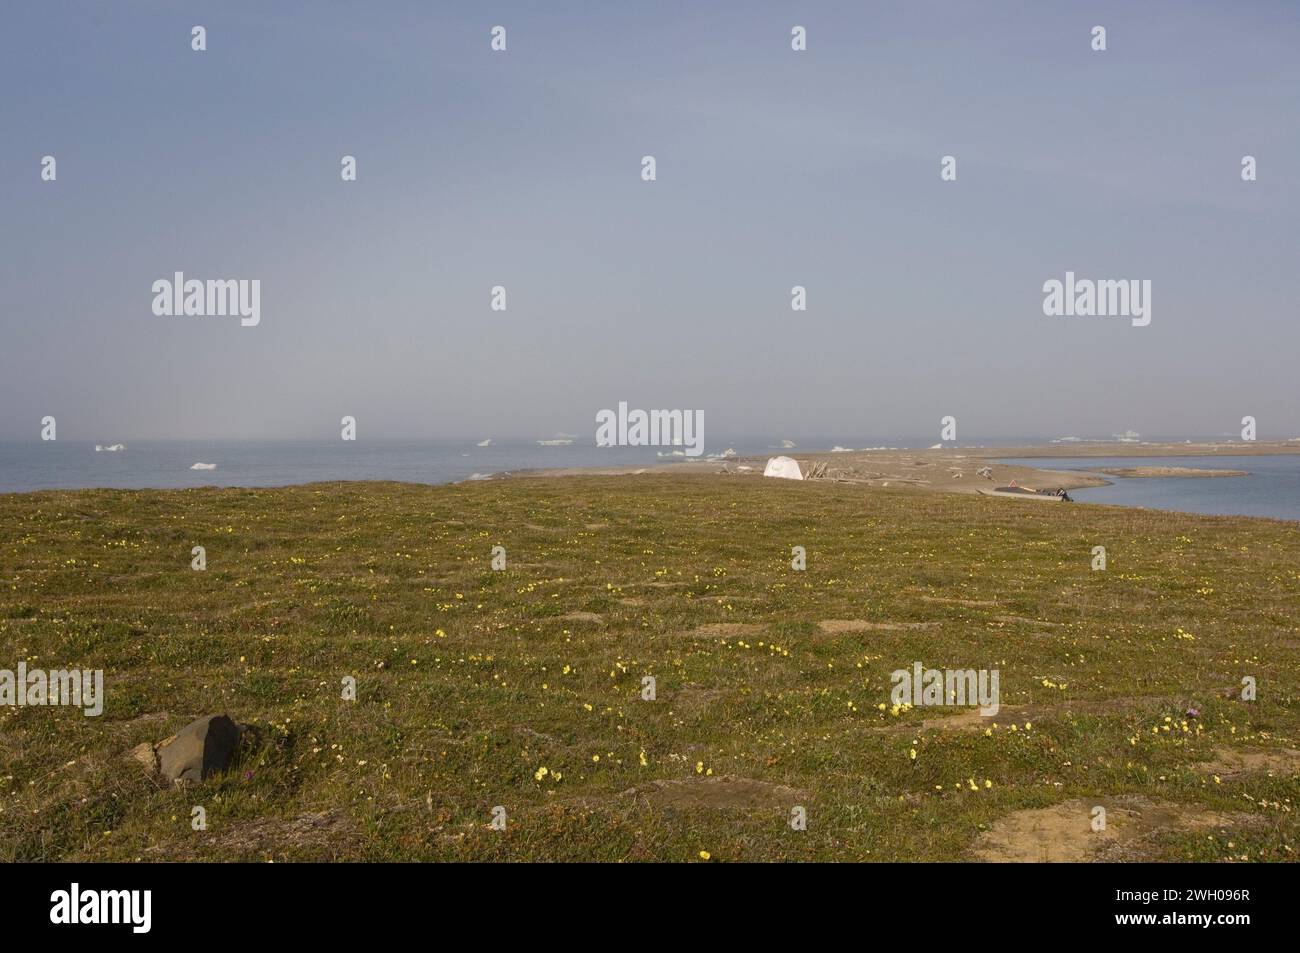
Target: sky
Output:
{"points": [[522, 168]]}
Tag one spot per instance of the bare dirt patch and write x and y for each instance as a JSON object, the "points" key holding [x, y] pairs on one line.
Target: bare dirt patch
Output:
{"points": [[973, 603], [311, 834], [722, 793], [837, 626], [323, 831], [1231, 763], [1020, 618], [1064, 832], [970, 719], [582, 617]]}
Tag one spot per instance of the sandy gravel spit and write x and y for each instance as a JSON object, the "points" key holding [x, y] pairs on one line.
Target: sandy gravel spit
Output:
{"points": [[1132, 472]]}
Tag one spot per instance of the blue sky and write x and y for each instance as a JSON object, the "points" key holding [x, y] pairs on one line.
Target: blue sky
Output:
{"points": [[521, 169]]}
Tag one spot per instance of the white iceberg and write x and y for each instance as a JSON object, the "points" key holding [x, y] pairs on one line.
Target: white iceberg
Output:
{"points": [[204, 466]]}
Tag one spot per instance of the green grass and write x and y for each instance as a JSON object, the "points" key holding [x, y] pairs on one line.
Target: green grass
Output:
{"points": [[470, 680]]}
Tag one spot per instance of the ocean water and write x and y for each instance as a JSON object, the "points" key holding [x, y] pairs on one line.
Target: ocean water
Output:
{"points": [[1271, 489], [65, 464], [166, 465]]}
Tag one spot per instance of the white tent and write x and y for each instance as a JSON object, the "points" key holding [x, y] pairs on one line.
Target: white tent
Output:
{"points": [[784, 467]]}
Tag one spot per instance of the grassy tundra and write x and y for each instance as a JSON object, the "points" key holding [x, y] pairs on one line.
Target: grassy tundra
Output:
{"points": [[522, 688]]}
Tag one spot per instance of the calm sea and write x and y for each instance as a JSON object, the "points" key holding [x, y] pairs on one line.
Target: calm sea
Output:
{"points": [[1272, 489], [64, 464]]}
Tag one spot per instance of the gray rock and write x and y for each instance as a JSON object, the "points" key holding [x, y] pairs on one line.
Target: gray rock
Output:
{"points": [[199, 750]]}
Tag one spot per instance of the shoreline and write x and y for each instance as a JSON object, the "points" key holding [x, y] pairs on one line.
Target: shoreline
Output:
{"points": [[952, 470], [940, 470]]}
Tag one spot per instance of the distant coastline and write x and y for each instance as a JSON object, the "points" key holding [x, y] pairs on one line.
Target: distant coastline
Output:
{"points": [[946, 468], [967, 470]]}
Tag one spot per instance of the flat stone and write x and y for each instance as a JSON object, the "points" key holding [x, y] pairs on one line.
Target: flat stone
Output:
{"points": [[148, 758]]}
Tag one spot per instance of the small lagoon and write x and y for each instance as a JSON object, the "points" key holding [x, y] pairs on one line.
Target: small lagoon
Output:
{"points": [[1272, 488]]}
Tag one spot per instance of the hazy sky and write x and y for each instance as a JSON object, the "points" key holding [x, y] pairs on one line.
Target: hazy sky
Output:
{"points": [[522, 169]]}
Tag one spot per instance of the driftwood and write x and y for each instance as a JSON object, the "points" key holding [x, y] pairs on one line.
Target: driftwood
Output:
{"points": [[874, 481], [821, 470]]}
